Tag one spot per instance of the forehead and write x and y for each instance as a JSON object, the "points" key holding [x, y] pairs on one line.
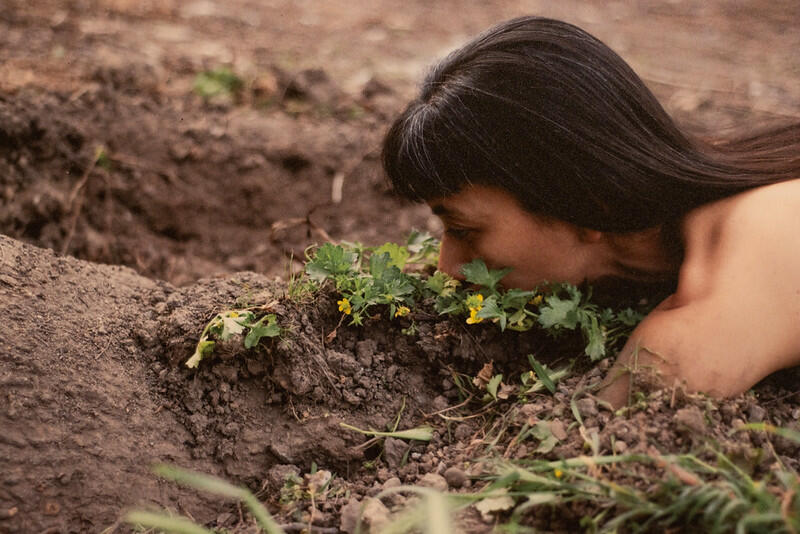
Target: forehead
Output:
{"points": [[474, 200]]}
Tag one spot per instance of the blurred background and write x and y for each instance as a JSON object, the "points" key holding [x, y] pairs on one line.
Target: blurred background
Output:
{"points": [[194, 138]]}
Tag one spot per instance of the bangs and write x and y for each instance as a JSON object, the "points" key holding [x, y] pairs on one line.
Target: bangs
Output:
{"points": [[418, 156], [437, 148]]}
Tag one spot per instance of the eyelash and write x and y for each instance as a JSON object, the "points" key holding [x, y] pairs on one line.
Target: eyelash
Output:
{"points": [[459, 233]]}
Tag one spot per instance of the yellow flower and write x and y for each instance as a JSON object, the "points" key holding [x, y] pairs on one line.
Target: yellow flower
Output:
{"points": [[473, 316], [475, 301], [344, 306], [402, 311], [558, 473], [536, 300]]}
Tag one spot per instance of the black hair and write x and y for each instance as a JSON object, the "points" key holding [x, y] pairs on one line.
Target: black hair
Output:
{"points": [[545, 111]]}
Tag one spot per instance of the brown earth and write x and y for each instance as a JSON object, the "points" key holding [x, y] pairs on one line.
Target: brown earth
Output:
{"points": [[92, 390]]}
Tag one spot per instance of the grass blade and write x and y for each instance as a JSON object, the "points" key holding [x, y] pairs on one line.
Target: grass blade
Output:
{"points": [[220, 487], [542, 373], [177, 525]]}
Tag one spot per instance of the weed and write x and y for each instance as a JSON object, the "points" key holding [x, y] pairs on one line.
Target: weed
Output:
{"points": [[206, 483], [366, 278], [218, 82], [392, 277]]}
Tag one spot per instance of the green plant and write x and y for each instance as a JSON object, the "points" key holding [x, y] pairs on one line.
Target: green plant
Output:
{"points": [[391, 278], [234, 322], [216, 82], [207, 483], [378, 277]]}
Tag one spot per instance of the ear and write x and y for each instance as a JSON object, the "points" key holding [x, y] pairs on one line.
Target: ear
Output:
{"points": [[587, 235]]}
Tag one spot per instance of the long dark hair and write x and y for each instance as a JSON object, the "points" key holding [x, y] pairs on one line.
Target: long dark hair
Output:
{"points": [[545, 111]]}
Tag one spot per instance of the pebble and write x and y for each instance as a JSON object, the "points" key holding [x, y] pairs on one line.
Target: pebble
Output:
{"points": [[455, 477], [392, 483], [620, 447], [349, 514], [432, 480], [558, 430], [691, 418], [756, 414], [393, 451], [587, 406], [375, 516]]}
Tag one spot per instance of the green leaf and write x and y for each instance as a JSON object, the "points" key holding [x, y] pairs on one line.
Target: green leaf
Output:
{"points": [[547, 441], [491, 310], [629, 317], [493, 384], [442, 284], [379, 264], [328, 261], [215, 82], [259, 330], [204, 348], [516, 298], [398, 254], [596, 347], [559, 313], [542, 373], [476, 272], [229, 323]]}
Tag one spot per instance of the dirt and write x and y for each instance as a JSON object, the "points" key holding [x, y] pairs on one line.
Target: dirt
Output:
{"points": [[192, 191]]}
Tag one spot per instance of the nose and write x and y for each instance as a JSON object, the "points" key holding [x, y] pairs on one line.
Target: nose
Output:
{"points": [[452, 255]]}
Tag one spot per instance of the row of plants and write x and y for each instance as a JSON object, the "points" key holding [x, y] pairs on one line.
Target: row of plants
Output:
{"points": [[393, 281]]}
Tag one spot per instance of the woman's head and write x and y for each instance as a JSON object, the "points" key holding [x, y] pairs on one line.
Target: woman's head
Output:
{"points": [[559, 125], [546, 112]]}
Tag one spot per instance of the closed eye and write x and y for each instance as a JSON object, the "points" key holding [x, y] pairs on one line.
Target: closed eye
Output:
{"points": [[459, 233]]}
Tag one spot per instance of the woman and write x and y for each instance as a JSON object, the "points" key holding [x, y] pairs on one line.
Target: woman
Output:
{"points": [[541, 150]]}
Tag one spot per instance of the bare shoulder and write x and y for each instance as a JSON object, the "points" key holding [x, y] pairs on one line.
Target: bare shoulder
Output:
{"points": [[746, 235], [773, 202]]}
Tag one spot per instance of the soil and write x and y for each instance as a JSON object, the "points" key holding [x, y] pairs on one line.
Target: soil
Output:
{"points": [[112, 266]]}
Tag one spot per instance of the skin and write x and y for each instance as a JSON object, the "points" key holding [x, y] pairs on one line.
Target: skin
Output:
{"points": [[734, 317]]}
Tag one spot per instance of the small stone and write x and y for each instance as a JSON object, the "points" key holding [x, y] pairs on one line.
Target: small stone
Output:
{"points": [[432, 480], [392, 483], [796, 414], [756, 414], [349, 514], [375, 515], [558, 430], [587, 406], [692, 419], [394, 450], [620, 447], [455, 477]]}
